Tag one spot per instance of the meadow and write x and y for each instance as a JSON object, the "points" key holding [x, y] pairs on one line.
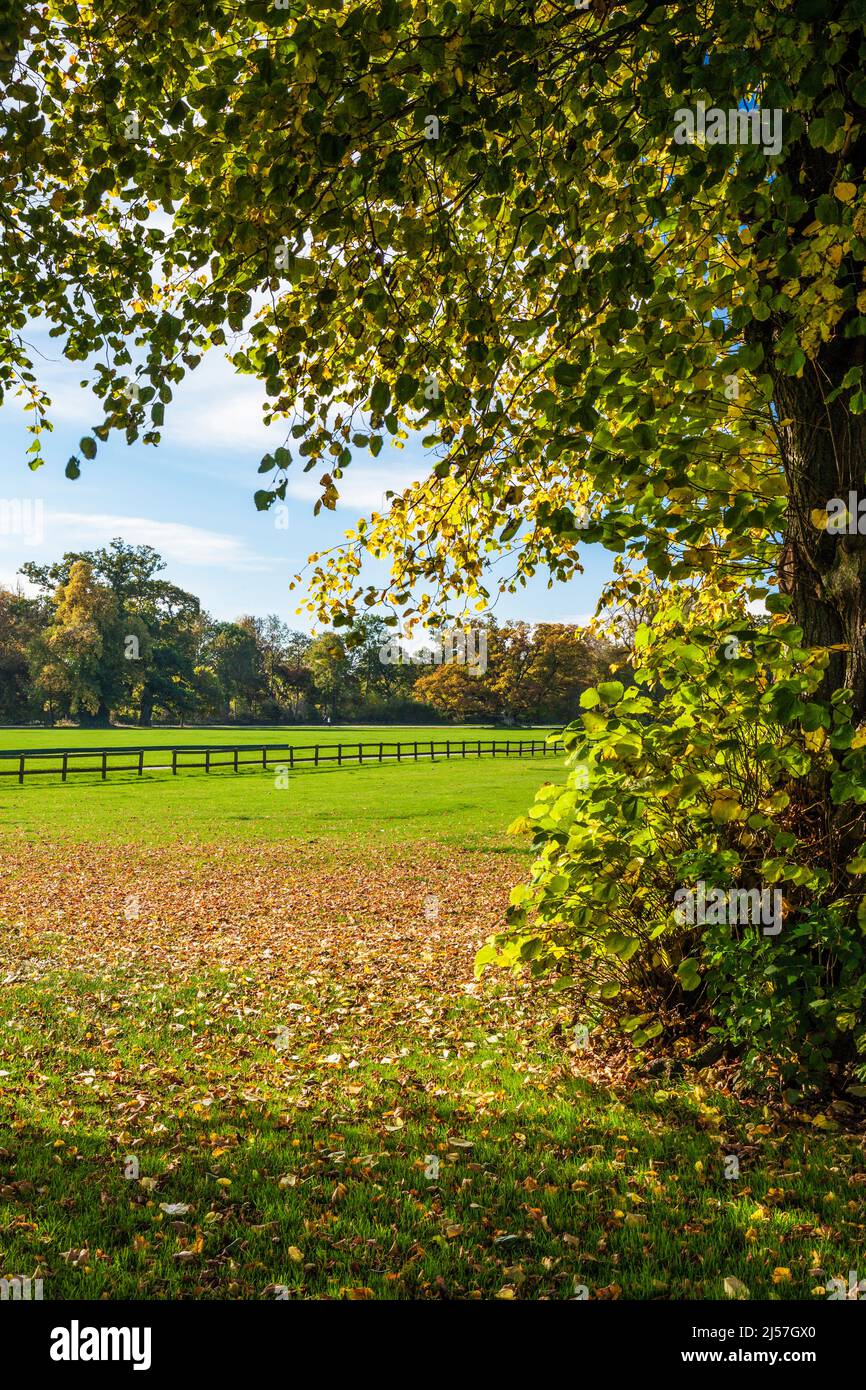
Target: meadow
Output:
{"points": [[245, 1055], [446, 802]]}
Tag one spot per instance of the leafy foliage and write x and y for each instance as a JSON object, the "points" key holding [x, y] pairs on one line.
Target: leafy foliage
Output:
{"points": [[474, 222], [716, 766]]}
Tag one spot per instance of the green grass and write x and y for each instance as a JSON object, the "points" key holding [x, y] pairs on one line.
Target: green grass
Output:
{"points": [[282, 1042], [273, 733], [468, 802], [63, 737], [312, 1177]]}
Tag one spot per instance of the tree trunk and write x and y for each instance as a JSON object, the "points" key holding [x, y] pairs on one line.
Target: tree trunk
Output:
{"points": [[824, 448], [145, 708], [100, 720]]}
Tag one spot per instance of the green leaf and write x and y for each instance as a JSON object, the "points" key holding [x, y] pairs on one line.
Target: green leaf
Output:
{"points": [[611, 692], [688, 974]]}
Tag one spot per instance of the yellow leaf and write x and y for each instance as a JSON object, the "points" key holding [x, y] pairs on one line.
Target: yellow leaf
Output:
{"points": [[734, 1288], [781, 1275], [295, 1254], [726, 809], [845, 191]]}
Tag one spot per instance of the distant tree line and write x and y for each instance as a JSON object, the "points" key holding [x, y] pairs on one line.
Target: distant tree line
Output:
{"points": [[107, 639]]}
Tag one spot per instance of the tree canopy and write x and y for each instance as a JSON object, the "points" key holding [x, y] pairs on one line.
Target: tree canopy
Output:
{"points": [[605, 260], [471, 221]]}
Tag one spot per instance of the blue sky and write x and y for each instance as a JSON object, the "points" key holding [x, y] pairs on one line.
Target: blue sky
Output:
{"points": [[192, 497]]}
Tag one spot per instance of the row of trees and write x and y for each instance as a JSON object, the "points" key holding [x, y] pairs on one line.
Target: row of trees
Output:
{"points": [[108, 637]]}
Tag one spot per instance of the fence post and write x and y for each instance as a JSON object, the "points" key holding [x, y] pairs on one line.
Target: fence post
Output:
{"points": [[360, 752], [65, 762], [174, 762], [140, 762], [381, 746], [21, 769], [207, 760], [339, 754], [235, 752], [399, 748], [315, 755], [291, 759], [416, 752], [264, 757]]}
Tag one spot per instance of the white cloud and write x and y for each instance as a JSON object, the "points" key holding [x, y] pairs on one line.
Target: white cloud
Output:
{"points": [[218, 412], [362, 486], [175, 541], [10, 580], [214, 408]]}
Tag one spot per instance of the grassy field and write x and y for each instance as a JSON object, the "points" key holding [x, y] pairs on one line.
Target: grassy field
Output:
{"points": [[245, 1055], [462, 801], [274, 733]]}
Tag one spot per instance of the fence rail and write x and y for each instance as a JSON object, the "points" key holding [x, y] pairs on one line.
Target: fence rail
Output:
{"points": [[66, 761]]}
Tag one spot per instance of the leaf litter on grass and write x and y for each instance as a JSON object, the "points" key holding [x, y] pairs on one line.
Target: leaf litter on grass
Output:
{"points": [[271, 1068]]}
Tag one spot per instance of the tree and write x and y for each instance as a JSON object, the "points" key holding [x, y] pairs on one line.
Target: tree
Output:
{"points": [[330, 667], [21, 618], [543, 677], [453, 690], [160, 669], [530, 674], [233, 653], [82, 654], [486, 226], [281, 649], [607, 261]]}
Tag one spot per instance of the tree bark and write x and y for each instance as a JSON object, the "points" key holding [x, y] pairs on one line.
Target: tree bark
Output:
{"points": [[145, 708], [824, 448]]}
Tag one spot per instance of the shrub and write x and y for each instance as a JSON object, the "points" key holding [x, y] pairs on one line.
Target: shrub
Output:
{"points": [[721, 765]]}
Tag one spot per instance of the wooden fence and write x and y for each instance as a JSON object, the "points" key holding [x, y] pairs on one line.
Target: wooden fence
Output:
{"points": [[62, 762]]}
